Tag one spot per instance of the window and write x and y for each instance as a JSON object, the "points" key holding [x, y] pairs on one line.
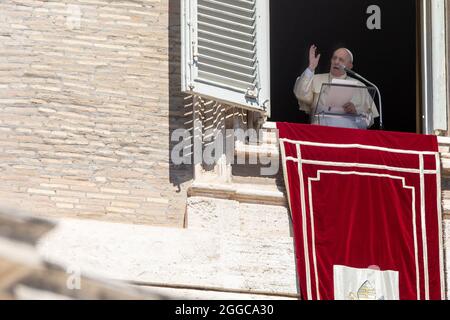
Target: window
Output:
{"points": [[226, 51], [227, 45]]}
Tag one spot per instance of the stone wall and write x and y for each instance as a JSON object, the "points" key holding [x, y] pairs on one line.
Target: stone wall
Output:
{"points": [[245, 250], [89, 93], [444, 148]]}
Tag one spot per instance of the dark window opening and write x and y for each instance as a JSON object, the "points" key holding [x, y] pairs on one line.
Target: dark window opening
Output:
{"points": [[387, 57]]}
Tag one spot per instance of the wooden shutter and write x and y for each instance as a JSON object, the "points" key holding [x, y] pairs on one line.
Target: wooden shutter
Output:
{"points": [[226, 51]]}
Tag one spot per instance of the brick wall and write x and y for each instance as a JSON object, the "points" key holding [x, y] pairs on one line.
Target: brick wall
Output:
{"points": [[89, 93]]}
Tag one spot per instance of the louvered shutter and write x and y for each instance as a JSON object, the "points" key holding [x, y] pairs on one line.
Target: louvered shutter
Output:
{"points": [[226, 52]]}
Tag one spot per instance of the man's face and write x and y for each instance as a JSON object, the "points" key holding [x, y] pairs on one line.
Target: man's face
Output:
{"points": [[340, 57]]}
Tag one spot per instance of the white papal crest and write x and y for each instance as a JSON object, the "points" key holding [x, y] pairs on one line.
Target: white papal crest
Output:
{"points": [[365, 284]]}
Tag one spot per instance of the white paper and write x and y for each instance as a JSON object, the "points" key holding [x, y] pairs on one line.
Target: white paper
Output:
{"points": [[365, 284], [345, 81], [338, 96]]}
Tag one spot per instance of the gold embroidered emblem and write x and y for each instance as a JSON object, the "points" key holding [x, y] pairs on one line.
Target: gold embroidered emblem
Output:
{"points": [[365, 292]]}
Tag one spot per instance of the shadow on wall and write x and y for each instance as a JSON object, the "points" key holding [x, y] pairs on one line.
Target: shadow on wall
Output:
{"points": [[180, 105]]}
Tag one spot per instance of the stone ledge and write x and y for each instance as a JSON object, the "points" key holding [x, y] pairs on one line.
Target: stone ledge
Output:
{"points": [[443, 140], [220, 259], [270, 125], [257, 151], [211, 293], [240, 193]]}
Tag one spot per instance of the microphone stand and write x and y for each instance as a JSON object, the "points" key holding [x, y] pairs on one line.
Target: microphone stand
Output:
{"points": [[373, 85]]}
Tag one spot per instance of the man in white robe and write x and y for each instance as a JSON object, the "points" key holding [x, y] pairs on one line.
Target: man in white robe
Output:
{"points": [[308, 87]]}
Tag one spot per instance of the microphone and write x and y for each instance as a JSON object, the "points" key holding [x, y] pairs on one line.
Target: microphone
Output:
{"points": [[353, 73]]}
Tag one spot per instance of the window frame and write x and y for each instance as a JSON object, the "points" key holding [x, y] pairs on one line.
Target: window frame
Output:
{"points": [[433, 22], [222, 94]]}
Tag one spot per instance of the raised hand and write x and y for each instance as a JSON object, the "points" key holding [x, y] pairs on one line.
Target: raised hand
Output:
{"points": [[313, 58], [349, 108]]}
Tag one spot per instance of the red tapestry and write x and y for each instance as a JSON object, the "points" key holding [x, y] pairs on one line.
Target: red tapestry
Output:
{"points": [[366, 210]]}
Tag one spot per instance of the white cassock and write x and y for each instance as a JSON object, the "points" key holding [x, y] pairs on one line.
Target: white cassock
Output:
{"points": [[307, 90]]}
